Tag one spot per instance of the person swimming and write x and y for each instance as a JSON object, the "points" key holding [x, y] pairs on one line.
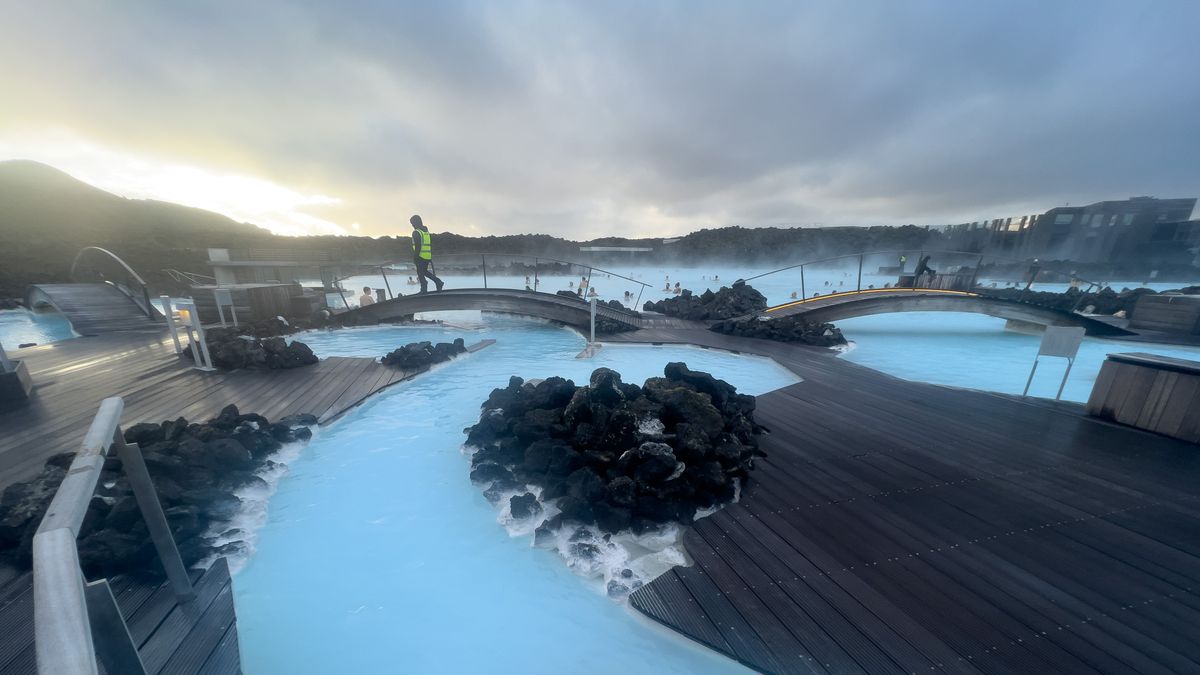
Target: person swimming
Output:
{"points": [[592, 293]]}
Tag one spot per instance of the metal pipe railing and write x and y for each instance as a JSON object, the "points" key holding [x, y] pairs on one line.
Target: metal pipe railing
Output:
{"points": [[143, 290]]}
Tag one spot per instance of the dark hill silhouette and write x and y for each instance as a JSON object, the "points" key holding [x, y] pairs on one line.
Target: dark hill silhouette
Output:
{"points": [[46, 216]]}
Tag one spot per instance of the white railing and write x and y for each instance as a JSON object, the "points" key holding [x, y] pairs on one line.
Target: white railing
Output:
{"points": [[188, 319], [77, 623]]}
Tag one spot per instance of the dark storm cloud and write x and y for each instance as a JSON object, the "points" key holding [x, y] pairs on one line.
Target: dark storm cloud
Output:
{"points": [[665, 116]]}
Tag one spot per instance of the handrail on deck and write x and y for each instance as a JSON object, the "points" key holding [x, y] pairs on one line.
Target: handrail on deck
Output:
{"points": [[75, 620], [956, 280], [482, 258], [146, 306]]}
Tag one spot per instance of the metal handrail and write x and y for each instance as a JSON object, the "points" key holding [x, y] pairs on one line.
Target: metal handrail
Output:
{"points": [[74, 619], [537, 259], [861, 256], [188, 277], [148, 308]]}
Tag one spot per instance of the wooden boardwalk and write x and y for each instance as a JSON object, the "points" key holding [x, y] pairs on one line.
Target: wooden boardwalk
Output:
{"points": [[198, 637], [905, 527], [72, 377], [94, 309]]}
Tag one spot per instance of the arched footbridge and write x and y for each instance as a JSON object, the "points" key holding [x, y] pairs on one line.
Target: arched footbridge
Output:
{"points": [[569, 311], [919, 288], [106, 296], [851, 304]]}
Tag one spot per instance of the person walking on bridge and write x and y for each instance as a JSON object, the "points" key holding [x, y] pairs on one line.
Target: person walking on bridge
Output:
{"points": [[423, 254]]}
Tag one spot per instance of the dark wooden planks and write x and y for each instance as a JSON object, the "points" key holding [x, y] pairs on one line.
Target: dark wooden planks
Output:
{"points": [[928, 528], [198, 636], [72, 377]]}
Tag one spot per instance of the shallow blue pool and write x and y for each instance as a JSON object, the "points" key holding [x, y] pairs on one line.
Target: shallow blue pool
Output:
{"points": [[972, 350], [379, 555], [21, 326]]}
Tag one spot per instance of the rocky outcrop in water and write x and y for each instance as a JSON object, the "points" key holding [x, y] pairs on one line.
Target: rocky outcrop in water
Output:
{"points": [[11, 303], [1106, 301], [613, 454], [196, 468], [230, 350], [783, 329], [421, 355], [729, 302]]}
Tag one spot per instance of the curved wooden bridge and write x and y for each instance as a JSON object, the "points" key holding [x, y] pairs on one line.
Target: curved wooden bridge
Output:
{"points": [[851, 304], [107, 296], [558, 308]]}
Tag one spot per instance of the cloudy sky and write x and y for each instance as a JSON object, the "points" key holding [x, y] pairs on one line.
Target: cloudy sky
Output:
{"points": [[590, 118]]}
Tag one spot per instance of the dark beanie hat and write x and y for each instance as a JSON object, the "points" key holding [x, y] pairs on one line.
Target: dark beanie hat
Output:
{"points": [[416, 221]]}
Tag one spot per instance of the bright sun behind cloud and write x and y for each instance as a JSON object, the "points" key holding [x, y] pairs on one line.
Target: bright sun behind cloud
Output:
{"points": [[244, 198]]}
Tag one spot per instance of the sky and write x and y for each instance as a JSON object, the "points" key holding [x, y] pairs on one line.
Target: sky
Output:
{"points": [[586, 119]]}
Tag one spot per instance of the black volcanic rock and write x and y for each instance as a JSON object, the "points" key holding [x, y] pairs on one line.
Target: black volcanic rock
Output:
{"points": [[783, 329], [739, 299], [231, 350], [196, 470], [616, 455], [420, 355]]}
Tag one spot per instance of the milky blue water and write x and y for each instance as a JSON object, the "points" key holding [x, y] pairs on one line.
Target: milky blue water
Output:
{"points": [[21, 326], [379, 555], [973, 350]]}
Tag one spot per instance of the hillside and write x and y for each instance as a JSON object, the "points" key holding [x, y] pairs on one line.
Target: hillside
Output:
{"points": [[46, 216]]}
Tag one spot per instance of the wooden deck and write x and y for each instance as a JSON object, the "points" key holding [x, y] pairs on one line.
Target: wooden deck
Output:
{"points": [[905, 527], [94, 309], [198, 637], [73, 376]]}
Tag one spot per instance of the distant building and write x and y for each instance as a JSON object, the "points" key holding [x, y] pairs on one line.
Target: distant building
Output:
{"points": [[1139, 229]]}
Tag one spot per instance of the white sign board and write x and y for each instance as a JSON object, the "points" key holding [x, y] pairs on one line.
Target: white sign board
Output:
{"points": [[223, 297], [1061, 341]]}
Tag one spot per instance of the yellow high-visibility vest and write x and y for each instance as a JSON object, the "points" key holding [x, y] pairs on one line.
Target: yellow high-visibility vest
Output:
{"points": [[426, 252]]}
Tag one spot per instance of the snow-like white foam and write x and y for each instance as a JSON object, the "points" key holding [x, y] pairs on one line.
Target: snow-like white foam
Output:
{"points": [[235, 539], [844, 349], [617, 564]]}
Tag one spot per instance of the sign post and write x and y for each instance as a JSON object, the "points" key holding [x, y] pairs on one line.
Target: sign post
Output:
{"points": [[1060, 341]]}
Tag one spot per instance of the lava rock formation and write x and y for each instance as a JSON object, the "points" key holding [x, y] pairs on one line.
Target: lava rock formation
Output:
{"points": [[729, 302], [196, 469], [420, 355], [613, 454]]}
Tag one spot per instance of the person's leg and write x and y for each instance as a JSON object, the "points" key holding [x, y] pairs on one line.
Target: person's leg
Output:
{"points": [[433, 276], [422, 271]]}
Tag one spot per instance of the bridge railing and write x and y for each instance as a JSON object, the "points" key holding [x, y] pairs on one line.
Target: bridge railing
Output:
{"points": [[93, 263], [78, 623], [541, 274], [927, 269], [901, 268]]}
